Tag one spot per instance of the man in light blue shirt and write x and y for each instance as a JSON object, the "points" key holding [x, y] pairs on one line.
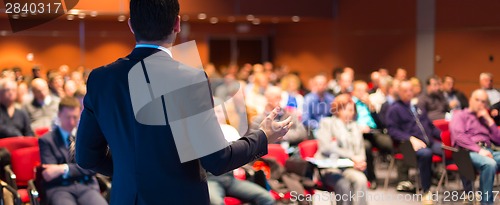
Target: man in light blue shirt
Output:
{"points": [[317, 104]]}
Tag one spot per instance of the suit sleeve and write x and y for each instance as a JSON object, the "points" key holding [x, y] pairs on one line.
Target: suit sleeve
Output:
{"points": [[248, 148], [27, 131], [91, 146], [47, 156]]}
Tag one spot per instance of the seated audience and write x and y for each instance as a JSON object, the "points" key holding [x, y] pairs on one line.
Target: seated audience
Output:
{"points": [[341, 137], [433, 101], [13, 121], [456, 99], [316, 103], [291, 99], [367, 120], [42, 110], [486, 82], [407, 122], [64, 181], [297, 133], [391, 97], [474, 130], [226, 185]]}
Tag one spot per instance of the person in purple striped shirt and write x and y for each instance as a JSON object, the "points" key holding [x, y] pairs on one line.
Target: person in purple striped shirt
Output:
{"points": [[475, 130]]}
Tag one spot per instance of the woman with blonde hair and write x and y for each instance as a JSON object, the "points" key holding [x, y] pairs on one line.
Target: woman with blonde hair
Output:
{"points": [[340, 137]]}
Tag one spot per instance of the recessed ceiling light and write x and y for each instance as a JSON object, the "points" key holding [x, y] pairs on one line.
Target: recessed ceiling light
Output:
{"points": [[74, 11], [256, 21], [250, 17], [121, 18], [70, 17], [202, 16], [214, 20], [15, 16], [24, 15], [93, 13], [295, 19], [81, 15], [3, 33]]}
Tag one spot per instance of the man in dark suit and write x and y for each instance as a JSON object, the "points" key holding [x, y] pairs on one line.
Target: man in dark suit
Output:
{"points": [[64, 181], [147, 165]]}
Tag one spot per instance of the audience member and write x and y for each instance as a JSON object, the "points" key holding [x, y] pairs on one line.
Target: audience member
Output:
{"points": [[374, 82], [486, 82], [64, 181], [367, 120], [341, 137], [254, 97], [333, 84], [291, 99], [345, 84], [383, 72], [316, 103], [433, 101], [407, 122], [379, 96], [225, 184], [42, 110], [456, 99], [401, 74], [13, 121], [22, 95], [474, 130], [417, 89], [297, 133], [70, 88], [56, 84]]}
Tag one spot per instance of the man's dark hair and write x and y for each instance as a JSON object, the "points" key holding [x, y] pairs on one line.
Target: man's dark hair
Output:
{"points": [[153, 20], [69, 102], [433, 77], [336, 72]]}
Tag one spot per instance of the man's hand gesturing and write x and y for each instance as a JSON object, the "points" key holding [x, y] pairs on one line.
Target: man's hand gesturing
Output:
{"points": [[275, 130]]}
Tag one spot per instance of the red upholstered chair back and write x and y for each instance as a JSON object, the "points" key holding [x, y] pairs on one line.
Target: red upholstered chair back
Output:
{"points": [[442, 125], [277, 152], [446, 139], [41, 131], [24, 161], [14, 143], [308, 148]]}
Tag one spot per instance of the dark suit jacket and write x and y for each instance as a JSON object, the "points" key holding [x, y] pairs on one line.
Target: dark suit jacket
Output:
{"points": [[53, 150], [145, 165]]}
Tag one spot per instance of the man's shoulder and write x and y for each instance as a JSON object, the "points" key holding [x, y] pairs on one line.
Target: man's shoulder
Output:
{"points": [[48, 137]]}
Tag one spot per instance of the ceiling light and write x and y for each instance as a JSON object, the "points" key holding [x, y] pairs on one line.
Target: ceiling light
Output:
{"points": [[3, 33], [81, 15], [250, 17], [214, 20], [15, 16], [295, 19], [74, 11], [70, 17], [121, 18], [202, 16], [93, 13], [256, 21], [24, 15]]}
